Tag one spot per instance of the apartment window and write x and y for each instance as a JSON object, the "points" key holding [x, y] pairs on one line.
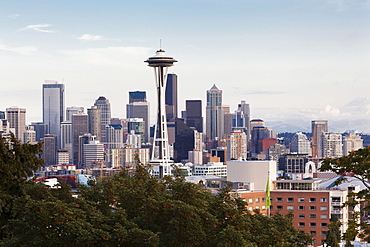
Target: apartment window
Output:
{"points": [[257, 200], [301, 199], [312, 224], [279, 207], [324, 216], [290, 199], [250, 208], [313, 233], [312, 216], [290, 208], [263, 207], [279, 199], [324, 200], [324, 224], [301, 224], [323, 233], [312, 199], [324, 208], [250, 200], [301, 208], [264, 199], [301, 216], [312, 208]]}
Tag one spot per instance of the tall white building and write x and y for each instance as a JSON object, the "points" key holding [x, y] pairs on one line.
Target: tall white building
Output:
{"points": [[53, 106], [29, 135], [105, 115], [331, 144], [93, 154], [114, 136], [352, 142], [300, 144], [17, 121], [133, 140], [66, 138], [211, 168], [237, 146], [215, 116]]}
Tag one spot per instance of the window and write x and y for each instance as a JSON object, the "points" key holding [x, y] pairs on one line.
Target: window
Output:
{"points": [[312, 199], [324, 216], [324, 224], [324, 208], [301, 199], [279, 207], [279, 199], [312, 224], [264, 199], [313, 233], [250, 208], [257, 200], [290, 199], [290, 208], [312, 208], [263, 207], [312, 216], [323, 233], [324, 200], [301, 224], [250, 200], [300, 208], [301, 216]]}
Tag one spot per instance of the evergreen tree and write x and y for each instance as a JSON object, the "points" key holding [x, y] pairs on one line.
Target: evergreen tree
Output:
{"points": [[333, 237]]}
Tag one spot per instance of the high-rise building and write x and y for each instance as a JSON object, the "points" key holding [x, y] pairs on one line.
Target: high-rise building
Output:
{"points": [[139, 108], [244, 108], [228, 119], [29, 135], [352, 142], [79, 127], [215, 116], [184, 140], [94, 114], [93, 154], [171, 97], [73, 110], [236, 146], [331, 145], [53, 106], [137, 96], [300, 144], [114, 138], [194, 116], [17, 121], [318, 127], [103, 104], [41, 130], [66, 136], [50, 150]]}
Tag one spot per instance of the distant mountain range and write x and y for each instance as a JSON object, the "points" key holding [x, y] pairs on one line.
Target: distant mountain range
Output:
{"points": [[354, 115]]}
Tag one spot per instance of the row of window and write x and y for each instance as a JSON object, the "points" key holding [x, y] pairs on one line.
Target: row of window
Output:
{"points": [[301, 199], [312, 224], [323, 233], [301, 208], [256, 200], [313, 216]]}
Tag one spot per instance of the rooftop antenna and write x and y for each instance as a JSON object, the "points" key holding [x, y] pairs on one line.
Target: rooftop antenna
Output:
{"points": [[160, 44]]}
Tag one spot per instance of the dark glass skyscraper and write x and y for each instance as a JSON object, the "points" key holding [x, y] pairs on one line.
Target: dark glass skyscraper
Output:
{"points": [[53, 106], [171, 97], [194, 116]]}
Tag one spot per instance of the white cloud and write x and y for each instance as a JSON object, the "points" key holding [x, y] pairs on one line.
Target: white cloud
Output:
{"points": [[38, 28], [89, 37], [23, 50], [109, 56], [331, 111]]}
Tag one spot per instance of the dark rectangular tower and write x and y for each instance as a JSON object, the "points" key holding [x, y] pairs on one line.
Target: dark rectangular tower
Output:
{"points": [[194, 116], [171, 97]]}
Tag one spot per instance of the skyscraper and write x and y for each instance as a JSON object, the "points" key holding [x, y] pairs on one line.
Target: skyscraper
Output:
{"points": [[94, 122], [50, 150], [40, 128], [73, 110], [53, 106], [171, 97], [103, 104], [215, 116], [79, 127], [194, 116], [138, 107], [318, 127], [352, 142], [17, 120]]}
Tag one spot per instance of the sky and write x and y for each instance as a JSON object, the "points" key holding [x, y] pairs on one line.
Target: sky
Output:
{"points": [[290, 60]]}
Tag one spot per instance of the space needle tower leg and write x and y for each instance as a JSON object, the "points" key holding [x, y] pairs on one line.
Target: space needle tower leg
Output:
{"points": [[160, 153]]}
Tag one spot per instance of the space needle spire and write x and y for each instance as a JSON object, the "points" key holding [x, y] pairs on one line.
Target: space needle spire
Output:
{"points": [[160, 153]]}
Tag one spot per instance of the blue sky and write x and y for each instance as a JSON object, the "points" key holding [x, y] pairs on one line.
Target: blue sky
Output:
{"points": [[288, 59]]}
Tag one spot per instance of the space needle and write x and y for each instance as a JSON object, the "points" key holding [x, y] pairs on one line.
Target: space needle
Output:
{"points": [[160, 153]]}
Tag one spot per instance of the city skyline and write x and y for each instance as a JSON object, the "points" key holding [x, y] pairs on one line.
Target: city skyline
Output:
{"points": [[304, 60]]}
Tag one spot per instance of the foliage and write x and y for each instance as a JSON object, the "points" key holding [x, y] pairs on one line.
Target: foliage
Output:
{"points": [[357, 165], [333, 237], [136, 210]]}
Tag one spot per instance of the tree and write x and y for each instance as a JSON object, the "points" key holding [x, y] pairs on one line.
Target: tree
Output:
{"points": [[357, 165], [333, 237]]}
